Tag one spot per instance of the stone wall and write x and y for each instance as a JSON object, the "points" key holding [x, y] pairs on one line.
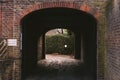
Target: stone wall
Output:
{"points": [[113, 40]]}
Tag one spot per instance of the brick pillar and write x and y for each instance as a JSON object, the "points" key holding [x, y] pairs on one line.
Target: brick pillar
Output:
{"points": [[40, 48], [0, 19], [43, 46], [77, 46], [113, 40]]}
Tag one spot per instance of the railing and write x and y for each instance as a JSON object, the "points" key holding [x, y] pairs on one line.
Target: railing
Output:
{"points": [[5, 61], [3, 50]]}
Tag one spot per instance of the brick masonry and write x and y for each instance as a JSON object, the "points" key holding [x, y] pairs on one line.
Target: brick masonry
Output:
{"points": [[113, 41], [11, 13]]}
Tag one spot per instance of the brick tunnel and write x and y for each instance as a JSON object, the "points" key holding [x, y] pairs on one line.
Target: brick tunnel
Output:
{"points": [[39, 16], [37, 23]]}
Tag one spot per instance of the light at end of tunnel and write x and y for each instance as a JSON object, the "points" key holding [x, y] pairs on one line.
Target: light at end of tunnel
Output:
{"points": [[65, 45]]}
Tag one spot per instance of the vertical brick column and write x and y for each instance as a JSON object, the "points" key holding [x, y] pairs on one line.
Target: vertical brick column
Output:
{"points": [[113, 40], [78, 47], [0, 19], [43, 46], [40, 48]]}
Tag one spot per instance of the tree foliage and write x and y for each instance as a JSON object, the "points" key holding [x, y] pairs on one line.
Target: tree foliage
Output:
{"points": [[56, 44]]}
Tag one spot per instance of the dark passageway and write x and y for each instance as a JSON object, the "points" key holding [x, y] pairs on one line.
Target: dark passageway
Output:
{"points": [[81, 23]]}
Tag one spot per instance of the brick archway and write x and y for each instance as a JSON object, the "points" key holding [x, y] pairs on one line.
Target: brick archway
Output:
{"points": [[12, 11], [42, 20], [22, 12]]}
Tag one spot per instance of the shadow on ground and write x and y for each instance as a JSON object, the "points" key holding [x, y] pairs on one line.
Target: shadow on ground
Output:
{"points": [[60, 67]]}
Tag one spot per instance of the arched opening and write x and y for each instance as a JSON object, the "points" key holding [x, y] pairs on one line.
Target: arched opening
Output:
{"points": [[57, 41], [83, 25]]}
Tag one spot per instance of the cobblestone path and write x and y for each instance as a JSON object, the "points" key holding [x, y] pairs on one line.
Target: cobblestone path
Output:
{"points": [[59, 67]]}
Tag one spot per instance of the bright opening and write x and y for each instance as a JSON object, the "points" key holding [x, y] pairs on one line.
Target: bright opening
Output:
{"points": [[59, 44]]}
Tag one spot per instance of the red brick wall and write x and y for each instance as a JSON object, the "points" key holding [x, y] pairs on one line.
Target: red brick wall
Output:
{"points": [[22, 11], [22, 8], [13, 12], [7, 18]]}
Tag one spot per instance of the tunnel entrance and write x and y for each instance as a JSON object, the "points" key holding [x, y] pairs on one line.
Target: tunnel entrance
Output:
{"points": [[37, 23], [57, 42]]}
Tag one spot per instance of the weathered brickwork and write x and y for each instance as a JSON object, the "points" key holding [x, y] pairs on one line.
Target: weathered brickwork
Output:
{"points": [[7, 18], [113, 41], [0, 20], [101, 48], [11, 14]]}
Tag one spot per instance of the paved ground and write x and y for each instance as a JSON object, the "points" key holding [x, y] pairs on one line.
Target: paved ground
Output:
{"points": [[55, 60], [59, 67]]}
